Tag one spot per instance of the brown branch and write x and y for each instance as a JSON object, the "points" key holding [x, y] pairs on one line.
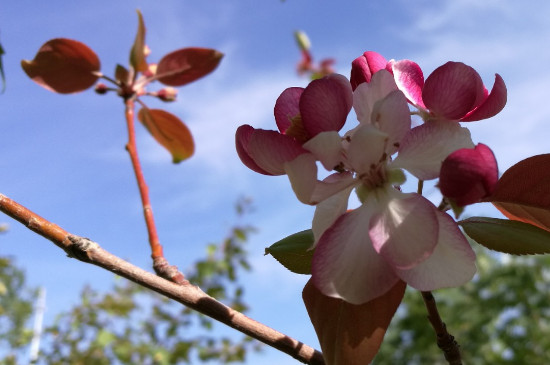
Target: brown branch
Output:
{"points": [[445, 341], [189, 295]]}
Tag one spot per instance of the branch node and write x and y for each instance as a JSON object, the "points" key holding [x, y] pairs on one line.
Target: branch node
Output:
{"points": [[168, 272], [79, 247]]}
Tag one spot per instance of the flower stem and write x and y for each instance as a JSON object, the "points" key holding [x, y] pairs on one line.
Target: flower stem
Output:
{"points": [[445, 341], [131, 147]]}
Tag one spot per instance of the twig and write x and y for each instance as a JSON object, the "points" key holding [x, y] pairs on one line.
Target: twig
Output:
{"points": [[445, 341], [160, 264], [192, 296]]}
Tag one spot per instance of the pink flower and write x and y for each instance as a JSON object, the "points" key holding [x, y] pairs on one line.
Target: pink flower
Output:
{"points": [[362, 253], [453, 91], [469, 175], [300, 114]]}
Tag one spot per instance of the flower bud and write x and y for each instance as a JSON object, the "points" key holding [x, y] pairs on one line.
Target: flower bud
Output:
{"points": [[468, 175], [363, 67], [167, 94], [101, 88]]}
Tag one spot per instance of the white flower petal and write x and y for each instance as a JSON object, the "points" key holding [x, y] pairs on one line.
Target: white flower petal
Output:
{"points": [[302, 173], [392, 116], [425, 147], [405, 229], [368, 93], [328, 211], [366, 148], [345, 264], [327, 147], [451, 264]]}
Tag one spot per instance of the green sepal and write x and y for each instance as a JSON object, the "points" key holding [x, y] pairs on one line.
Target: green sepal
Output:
{"points": [[294, 252], [507, 236]]}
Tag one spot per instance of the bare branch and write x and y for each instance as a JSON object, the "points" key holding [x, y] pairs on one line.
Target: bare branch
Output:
{"points": [[445, 341], [189, 295]]}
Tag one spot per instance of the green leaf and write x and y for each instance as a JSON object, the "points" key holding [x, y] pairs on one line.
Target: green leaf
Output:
{"points": [[508, 236], [137, 53], [293, 252], [523, 191], [64, 66], [351, 334], [169, 131]]}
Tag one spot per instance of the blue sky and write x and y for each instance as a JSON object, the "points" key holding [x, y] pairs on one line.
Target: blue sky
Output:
{"points": [[63, 155]]}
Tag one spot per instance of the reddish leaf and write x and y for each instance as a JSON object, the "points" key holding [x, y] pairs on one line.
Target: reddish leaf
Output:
{"points": [[137, 53], [186, 65], [122, 75], [169, 131], [351, 334], [523, 191], [64, 66]]}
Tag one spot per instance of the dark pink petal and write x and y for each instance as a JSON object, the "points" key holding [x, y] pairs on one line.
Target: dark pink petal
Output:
{"points": [[410, 80], [325, 104], [404, 230], [363, 67], [242, 137], [265, 151], [287, 107], [453, 90], [492, 105], [451, 264], [345, 264], [469, 175]]}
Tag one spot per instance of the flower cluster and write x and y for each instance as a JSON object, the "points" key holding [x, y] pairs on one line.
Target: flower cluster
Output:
{"points": [[361, 253]]}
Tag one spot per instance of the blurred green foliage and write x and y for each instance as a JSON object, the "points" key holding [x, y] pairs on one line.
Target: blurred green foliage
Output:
{"points": [[501, 317]]}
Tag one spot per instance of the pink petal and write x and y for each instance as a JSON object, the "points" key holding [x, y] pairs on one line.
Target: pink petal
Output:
{"points": [[425, 147], [451, 264], [325, 104], [367, 94], [409, 79], [392, 116], [242, 137], [494, 103], [469, 175], [345, 264], [266, 151], [453, 90], [405, 229], [363, 67], [287, 107]]}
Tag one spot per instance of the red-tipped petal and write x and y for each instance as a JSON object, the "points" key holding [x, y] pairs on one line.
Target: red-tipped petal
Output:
{"points": [[325, 104], [364, 66], [469, 175], [410, 80], [492, 105], [265, 151], [287, 107], [242, 138], [453, 90]]}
